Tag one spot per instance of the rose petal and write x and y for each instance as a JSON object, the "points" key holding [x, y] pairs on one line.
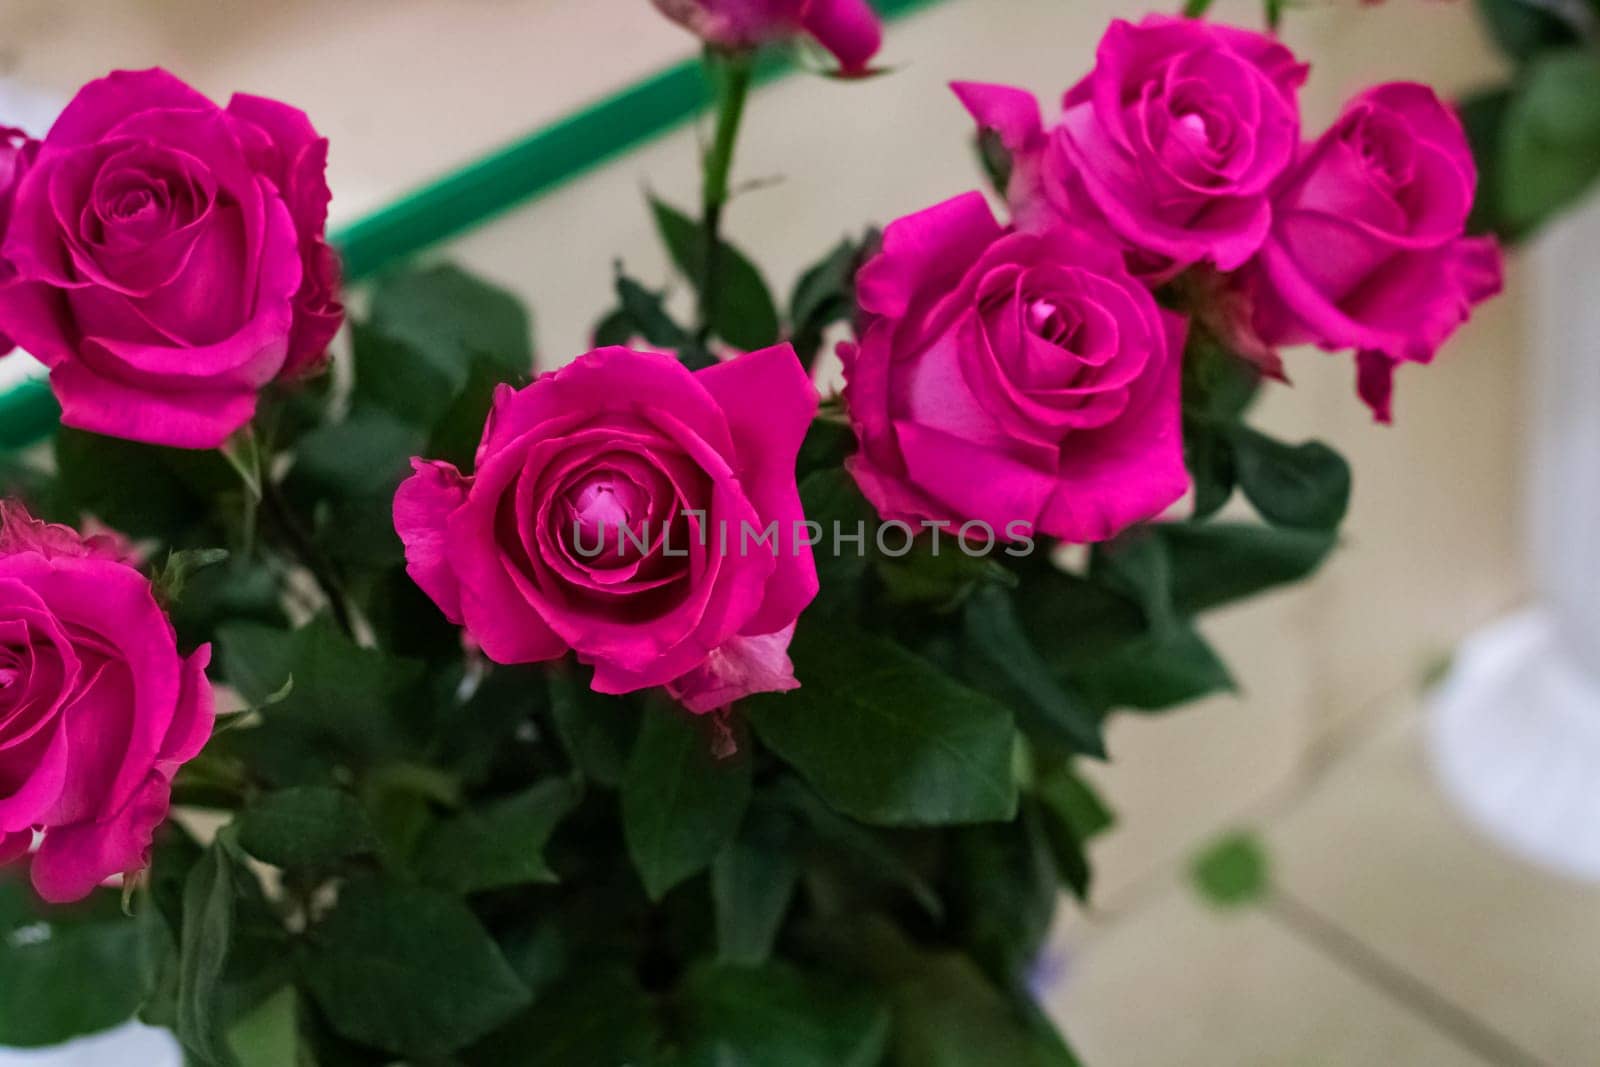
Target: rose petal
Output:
{"points": [[769, 402], [14, 846], [1010, 112], [73, 860], [101, 104], [1375, 384], [847, 28], [422, 508], [740, 667], [928, 250]]}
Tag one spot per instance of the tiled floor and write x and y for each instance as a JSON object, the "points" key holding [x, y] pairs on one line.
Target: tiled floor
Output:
{"points": [[1400, 937]]}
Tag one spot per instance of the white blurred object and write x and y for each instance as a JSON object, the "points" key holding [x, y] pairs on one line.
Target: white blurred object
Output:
{"points": [[27, 107], [16, 367], [130, 1044], [1516, 727], [34, 110]]}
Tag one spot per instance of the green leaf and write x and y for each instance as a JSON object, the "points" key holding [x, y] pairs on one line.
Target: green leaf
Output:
{"points": [[1216, 563], [413, 384], [1208, 454], [1159, 670], [680, 803], [1219, 385], [1071, 815], [778, 1016], [1233, 872], [884, 736], [1073, 621], [1524, 28], [306, 828], [499, 845], [174, 575], [596, 730], [995, 159], [140, 490], [616, 328], [597, 1016], [495, 728], [1292, 485], [1003, 893], [269, 1036], [255, 658], [823, 295], [1137, 563], [830, 499], [367, 455], [1000, 660], [1483, 116], [68, 971], [647, 311], [946, 1013], [1064, 793], [409, 970], [238, 591], [743, 312], [939, 574], [1550, 151], [828, 443], [453, 317], [871, 857], [209, 909], [459, 427], [753, 880], [360, 698], [948, 1016]]}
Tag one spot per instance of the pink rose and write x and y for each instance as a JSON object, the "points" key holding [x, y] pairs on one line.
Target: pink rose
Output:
{"points": [[847, 28], [166, 258], [1366, 250], [1010, 378], [641, 515], [16, 151], [1171, 144], [97, 707]]}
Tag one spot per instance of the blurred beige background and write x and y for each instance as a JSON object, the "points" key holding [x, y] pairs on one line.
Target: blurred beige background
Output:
{"points": [[1496, 963]]}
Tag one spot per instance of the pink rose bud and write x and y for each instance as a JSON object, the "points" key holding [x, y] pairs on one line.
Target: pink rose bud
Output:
{"points": [[1170, 146], [1024, 381], [166, 258], [97, 707], [1367, 249], [847, 28], [638, 514]]}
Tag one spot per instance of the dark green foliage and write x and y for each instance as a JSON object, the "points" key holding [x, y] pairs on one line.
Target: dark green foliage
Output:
{"points": [[825, 294], [884, 737], [680, 801], [743, 314], [492, 864], [410, 971], [68, 971], [1550, 146]]}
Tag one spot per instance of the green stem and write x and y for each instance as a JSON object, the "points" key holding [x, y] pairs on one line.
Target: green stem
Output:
{"points": [[305, 549], [731, 72], [243, 453]]}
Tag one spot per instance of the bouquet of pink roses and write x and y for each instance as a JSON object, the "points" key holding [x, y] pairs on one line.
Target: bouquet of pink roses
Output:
{"points": [[656, 709]]}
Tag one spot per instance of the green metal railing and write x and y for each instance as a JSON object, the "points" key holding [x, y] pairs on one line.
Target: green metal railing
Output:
{"points": [[484, 189]]}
